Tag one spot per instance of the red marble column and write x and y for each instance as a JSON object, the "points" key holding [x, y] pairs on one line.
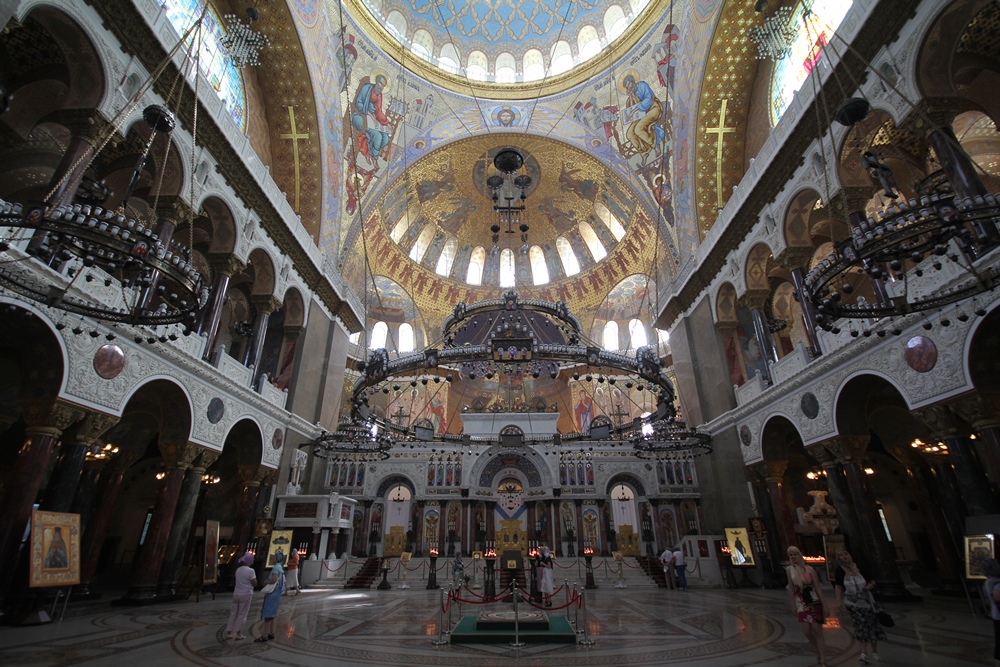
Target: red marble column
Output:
{"points": [[579, 527], [46, 422], [774, 480], [146, 570], [466, 539], [532, 532], [110, 485], [223, 268], [68, 174], [249, 490], [942, 543], [491, 519]]}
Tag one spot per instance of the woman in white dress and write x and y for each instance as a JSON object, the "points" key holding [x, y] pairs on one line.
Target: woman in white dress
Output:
{"points": [[545, 585]]}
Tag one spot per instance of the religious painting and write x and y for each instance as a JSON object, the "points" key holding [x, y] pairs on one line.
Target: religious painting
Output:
{"points": [[210, 563], [55, 549], [977, 549], [281, 542], [740, 551], [262, 527]]}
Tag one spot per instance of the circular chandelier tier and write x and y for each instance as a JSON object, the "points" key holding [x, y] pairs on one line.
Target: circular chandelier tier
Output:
{"points": [[666, 436], [930, 253], [517, 338], [97, 263], [353, 439]]}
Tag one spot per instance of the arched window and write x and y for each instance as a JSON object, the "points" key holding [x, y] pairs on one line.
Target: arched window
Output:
{"points": [[447, 257], [448, 60], [663, 337], [568, 258], [638, 5], [396, 23], [507, 273], [614, 22], [422, 44], [594, 244], [354, 337], [477, 67], [379, 333], [610, 221], [539, 271], [216, 67], [419, 248], [506, 68], [588, 44], [534, 65], [611, 335], [401, 226], [562, 58], [637, 334], [476, 262], [406, 342]]}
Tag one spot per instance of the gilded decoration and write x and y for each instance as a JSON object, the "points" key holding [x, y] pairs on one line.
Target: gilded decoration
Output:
{"points": [[722, 112]]}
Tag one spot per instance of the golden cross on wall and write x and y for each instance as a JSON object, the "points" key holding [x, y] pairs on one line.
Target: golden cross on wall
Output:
{"points": [[720, 133], [295, 137]]}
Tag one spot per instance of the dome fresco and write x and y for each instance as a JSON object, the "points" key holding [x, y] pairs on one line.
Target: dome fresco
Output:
{"points": [[503, 41]]}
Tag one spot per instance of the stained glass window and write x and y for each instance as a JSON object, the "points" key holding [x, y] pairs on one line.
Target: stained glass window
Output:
{"points": [[215, 66]]}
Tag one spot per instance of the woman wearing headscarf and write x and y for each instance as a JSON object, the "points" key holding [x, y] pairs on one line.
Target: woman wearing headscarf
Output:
{"points": [[991, 568], [854, 594], [806, 597], [246, 580], [545, 585], [272, 600]]}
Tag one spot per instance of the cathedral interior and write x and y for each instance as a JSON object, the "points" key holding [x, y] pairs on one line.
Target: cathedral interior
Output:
{"points": [[389, 283]]}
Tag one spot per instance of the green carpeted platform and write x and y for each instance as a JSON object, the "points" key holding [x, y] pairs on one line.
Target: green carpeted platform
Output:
{"points": [[466, 632]]}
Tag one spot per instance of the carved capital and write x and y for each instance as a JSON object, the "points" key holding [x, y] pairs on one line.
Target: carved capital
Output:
{"points": [[249, 476], [847, 448], [49, 417], [754, 298], [174, 209], [795, 257], [979, 408], [179, 454], [89, 430], [226, 264], [856, 198], [265, 303], [771, 471], [823, 456], [940, 421], [206, 457], [266, 476], [933, 113]]}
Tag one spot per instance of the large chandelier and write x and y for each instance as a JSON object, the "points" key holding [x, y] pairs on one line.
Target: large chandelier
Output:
{"points": [[507, 186], [91, 260], [362, 440], [666, 436], [775, 35], [243, 44]]}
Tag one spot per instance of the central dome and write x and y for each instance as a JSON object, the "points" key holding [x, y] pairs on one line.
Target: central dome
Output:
{"points": [[508, 48], [440, 211]]}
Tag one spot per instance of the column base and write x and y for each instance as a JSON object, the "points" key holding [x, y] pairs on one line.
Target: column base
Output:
{"points": [[137, 597], [895, 592]]}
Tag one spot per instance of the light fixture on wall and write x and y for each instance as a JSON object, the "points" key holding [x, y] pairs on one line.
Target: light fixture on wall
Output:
{"points": [[507, 186], [80, 257], [243, 44]]}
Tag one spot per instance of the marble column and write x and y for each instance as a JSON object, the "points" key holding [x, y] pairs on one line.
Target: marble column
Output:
{"points": [[976, 491], [223, 268], [840, 498], [180, 529], [491, 520], [465, 540], [796, 259], [265, 305], [108, 487], [532, 528], [149, 561], [81, 438], [85, 128], [754, 301], [946, 555], [579, 526], [773, 473], [250, 482], [418, 531], [46, 421], [849, 452], [981, 409]]}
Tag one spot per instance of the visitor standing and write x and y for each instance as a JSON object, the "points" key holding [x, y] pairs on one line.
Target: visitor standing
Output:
{"points": [[293, 573], [272, 598], [854, 594], [806, 597], [991, 568], [246, 581], [545, 581], [679, 568], [666, 559]]}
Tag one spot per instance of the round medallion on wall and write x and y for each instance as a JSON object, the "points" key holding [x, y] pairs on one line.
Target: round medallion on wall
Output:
{"points": [[809, 405], [216, 410], [745, 437], [277, 439], [921, 354], [109, 361]]}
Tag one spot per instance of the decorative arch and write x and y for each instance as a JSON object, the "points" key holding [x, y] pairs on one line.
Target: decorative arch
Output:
{"points": [[628, 480], [263, 273], [246, 436], [395, 480], [757, 267], [980, 358], [796, 229], [778, 437], [497, 461], [223, 225], [725, 304]]}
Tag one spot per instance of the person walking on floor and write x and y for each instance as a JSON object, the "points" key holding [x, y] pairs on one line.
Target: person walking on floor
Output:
{"points": [[854, 594], [806, 597], [246, 581], [272, 598], [292, 579], [545, 582]]}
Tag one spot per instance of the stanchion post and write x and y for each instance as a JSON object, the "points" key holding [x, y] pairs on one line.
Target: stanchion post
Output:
{"points": [[621, 576], [586, 641], [441, 641], [568, 598], [607, 571], [516, 593], [451, 597]]}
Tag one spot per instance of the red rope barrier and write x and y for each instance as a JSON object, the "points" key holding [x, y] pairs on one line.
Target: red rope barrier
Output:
{"points": [[634, 567], [332, 569], [549, 597], [565, 568], [544, 608], [484, 597], [414, 569]]}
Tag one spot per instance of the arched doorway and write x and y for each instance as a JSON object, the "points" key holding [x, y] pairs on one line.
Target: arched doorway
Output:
{"points": [[623, 512], [397, 532]]}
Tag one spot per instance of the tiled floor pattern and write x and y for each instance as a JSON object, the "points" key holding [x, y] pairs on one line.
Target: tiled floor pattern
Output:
{"points": [[630, 627]]}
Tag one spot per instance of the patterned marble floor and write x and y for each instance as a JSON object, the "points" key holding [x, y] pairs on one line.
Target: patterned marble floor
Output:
{"points": [[631, 627]]}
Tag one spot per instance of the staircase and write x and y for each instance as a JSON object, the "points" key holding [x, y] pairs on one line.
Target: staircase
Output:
{"points": [[366, 576], [654, 568], [503, 579]]}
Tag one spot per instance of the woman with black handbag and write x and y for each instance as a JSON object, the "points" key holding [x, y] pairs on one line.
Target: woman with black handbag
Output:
{"points": [[854, 594]]}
